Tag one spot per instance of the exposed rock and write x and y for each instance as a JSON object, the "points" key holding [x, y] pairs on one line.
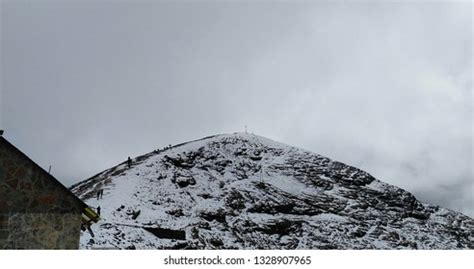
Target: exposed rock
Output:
{"points": [[243, 191]]}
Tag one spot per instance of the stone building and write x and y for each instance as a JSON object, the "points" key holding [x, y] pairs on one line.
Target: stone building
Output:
{"points": [[36, 210]]}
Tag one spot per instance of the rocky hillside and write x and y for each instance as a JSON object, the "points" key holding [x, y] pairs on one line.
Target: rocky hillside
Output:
{"points": [[242, 191]]}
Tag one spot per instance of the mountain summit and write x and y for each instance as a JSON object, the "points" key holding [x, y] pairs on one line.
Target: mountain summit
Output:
{"points": [[242, 191]]}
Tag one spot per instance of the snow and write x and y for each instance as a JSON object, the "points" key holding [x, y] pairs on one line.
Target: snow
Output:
{"points": [[377, 185], [330, 217], [225, 164], [286, 184]]}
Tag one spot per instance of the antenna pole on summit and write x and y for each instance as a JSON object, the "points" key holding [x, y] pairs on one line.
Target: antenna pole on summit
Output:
{"points": [[245, 128]]}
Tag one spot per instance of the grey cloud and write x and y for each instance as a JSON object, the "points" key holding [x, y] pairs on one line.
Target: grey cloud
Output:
{"points": [[384, 87]]}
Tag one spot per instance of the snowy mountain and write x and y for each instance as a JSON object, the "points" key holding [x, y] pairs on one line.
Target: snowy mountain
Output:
{"points": [[242, 191]]}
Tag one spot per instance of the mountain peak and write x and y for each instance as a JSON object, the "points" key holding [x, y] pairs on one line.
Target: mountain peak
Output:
{"points": [[246, 191]]}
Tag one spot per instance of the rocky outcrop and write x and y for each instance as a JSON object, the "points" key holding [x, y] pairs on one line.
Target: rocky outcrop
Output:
{"points": [[242, 191]]}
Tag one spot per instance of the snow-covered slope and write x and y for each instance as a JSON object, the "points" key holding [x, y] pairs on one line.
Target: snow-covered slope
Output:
{"points": [[242, 191]]}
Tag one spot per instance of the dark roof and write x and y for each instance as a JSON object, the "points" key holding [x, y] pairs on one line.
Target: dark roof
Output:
{"points": [[67, 192]]}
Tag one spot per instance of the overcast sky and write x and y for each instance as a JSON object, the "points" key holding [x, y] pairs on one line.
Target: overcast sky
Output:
{"points": [[384, 87]]}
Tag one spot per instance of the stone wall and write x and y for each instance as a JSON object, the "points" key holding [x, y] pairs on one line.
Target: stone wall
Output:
{"points": [[39, 231], [25, 187], [36, 211]]}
